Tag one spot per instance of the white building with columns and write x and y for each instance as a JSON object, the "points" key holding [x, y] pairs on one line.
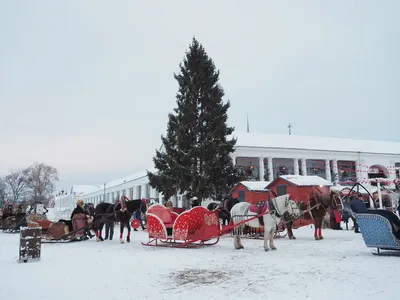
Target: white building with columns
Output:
{"points": [[266, 156]]}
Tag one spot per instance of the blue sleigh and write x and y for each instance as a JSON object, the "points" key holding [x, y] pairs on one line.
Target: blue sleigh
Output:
{"points": [[380, 229]]}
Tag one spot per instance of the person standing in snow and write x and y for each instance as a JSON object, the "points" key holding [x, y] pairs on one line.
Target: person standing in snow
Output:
{"points": [[357, 206], [138, 215], [110, 222]]}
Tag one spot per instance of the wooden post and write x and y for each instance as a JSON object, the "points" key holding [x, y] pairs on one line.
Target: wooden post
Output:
{"points": [[30, 244]]}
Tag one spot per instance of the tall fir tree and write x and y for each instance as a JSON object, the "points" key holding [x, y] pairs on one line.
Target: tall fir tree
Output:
{"points": [[196, 158]]}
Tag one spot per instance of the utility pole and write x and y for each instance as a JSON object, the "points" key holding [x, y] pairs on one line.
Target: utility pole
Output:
{"points": [[290, 129], [248, 125]]}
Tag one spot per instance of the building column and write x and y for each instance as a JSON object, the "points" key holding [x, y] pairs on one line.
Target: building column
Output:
{"points": [[363, 171], [304, 167], [143, 191], [261, 169], [296, 166], [358, 171], [335, 171], [234, 156], [328, 170], [270, 169]]}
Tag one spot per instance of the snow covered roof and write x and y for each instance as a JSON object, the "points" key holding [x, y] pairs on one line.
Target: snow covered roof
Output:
{"points": [[84, 189], [128, 178], [264, 140], [255, 185], [301, 180], [115, 182]]}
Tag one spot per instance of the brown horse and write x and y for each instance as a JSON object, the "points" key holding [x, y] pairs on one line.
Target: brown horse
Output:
{"points": [[317, 206]]}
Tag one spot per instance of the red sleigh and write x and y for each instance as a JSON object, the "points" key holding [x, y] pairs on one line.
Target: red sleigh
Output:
{"points": [[193, 228]]}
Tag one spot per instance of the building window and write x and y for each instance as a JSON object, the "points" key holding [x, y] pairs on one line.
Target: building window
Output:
{"points": [[124, 192], [316, 167], [108, 197], [397, 168], [282, 166], [131, 193], [347, 171], [250, 165], [139, 191]]}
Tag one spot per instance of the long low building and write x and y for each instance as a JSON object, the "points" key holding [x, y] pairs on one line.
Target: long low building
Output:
{"points": [[266, 156]]}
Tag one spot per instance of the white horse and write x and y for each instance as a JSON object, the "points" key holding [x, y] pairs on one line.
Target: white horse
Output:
{"points": [[280, 205]]}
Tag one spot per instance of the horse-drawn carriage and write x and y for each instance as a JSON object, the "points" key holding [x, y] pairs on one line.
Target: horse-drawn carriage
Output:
{"points": [[200, 226], [61, 231]]}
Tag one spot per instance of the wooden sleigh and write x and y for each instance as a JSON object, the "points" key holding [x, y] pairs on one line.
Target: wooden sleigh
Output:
{"points": [[56, 231], [379, 229], [191, 229]]}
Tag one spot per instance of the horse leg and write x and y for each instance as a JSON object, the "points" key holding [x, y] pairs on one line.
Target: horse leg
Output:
{"points": [[320, 230], [316, 228], [290, 231], [237, 243], [128, 237], [267, 239], [271, 238], [98, 233], [121, 231]]}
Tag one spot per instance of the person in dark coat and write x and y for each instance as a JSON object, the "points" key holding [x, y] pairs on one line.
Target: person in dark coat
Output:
{"points": [[80, 210], [110, 222], [357, 206]]}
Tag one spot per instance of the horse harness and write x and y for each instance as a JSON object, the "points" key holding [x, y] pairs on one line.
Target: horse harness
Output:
{"points": [[319, 204], [263, 206]]}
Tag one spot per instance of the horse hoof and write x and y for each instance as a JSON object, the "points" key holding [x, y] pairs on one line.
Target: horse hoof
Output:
{"points": [[293, 237], [121, 241], [128, 240], [266, 250], [316, 238], [273, 249], [321, 237]]}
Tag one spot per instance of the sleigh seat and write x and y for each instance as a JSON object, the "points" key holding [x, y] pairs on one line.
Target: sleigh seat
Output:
{"points": [[378, 231], [160, 221], [78, 224], [197, 224]]}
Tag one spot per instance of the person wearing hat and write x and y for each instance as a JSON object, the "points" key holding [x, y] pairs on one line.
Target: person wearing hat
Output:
{"points": [[80, 210]]}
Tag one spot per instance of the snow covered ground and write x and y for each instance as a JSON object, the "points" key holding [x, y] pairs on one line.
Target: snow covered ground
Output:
{"points": [[338, 267]]}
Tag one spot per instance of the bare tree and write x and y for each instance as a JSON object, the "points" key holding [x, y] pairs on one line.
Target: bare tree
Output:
{"points": [[3, 190], [41, 179], [16, 184]]}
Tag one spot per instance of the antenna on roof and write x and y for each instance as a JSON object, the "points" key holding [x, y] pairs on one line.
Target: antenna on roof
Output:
{"points": [[290, 129], [248, 125]]}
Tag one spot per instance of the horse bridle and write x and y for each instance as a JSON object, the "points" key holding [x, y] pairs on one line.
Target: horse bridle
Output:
{"points": [[287, 203]]}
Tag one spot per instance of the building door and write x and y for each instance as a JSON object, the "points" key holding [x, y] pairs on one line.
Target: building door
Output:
{"points": [[242, 196], [281, 189]]}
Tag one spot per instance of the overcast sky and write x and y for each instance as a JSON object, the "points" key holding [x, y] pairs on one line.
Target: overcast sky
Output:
{"points": [[86, 86]]}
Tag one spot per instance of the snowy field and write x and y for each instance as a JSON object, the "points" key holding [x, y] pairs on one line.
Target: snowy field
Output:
{"points": [[338, 267]]}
